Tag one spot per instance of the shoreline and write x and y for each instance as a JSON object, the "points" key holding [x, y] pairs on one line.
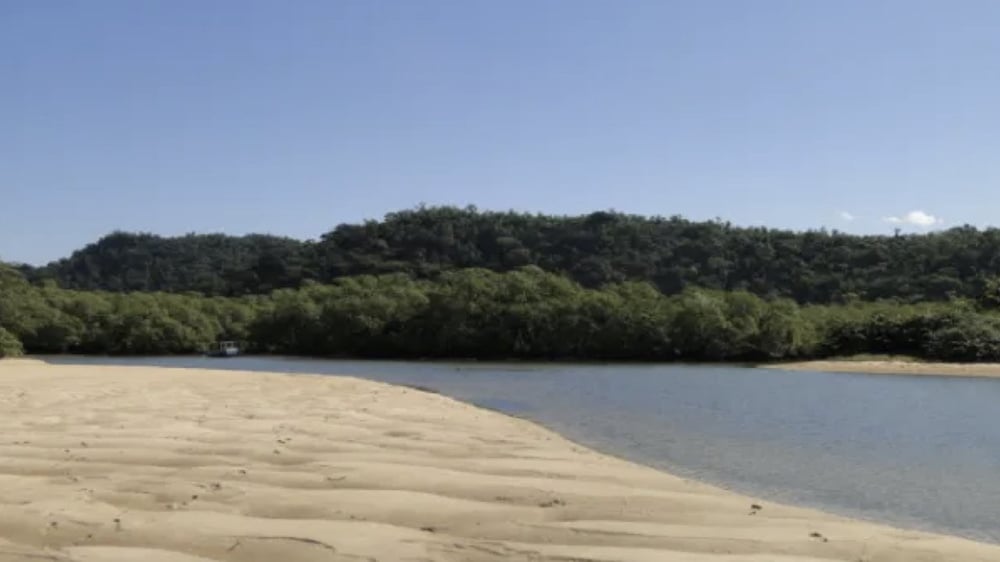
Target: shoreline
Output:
{"points": [[179, 465], [891, 367], [878, 365]]}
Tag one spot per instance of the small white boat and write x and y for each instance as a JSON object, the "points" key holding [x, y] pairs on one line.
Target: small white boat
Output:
{"points": [[224, 349]]}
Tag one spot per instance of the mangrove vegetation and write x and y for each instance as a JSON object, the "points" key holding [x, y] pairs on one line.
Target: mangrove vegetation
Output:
{"points": [[524, 313], [460, 283]]}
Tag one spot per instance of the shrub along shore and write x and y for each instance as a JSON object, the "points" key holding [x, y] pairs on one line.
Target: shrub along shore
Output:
{"points": [[475, 313]]}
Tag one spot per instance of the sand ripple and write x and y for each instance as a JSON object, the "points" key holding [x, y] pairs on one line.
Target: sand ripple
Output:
{"points": [[135, 463]]}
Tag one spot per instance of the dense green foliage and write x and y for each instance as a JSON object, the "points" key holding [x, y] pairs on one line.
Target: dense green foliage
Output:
{"points": [[10, 346], [476, 313], [446, 282], [602, 248], [212, 264]]}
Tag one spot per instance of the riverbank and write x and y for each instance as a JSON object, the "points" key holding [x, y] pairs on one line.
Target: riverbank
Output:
{"points": [[114, 463], [893, 367]]}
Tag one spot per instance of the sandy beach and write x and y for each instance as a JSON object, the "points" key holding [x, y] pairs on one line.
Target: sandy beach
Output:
{"points": [[890, 367], [166, 465]]}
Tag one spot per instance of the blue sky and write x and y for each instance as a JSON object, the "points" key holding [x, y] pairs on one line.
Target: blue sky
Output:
{"points": [[174, 116]]}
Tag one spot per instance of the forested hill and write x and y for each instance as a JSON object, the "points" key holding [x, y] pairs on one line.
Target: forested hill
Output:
{"points": [[595, 249], [212, 264]]}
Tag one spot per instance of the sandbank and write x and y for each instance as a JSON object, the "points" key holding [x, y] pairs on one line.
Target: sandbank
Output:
{"points": [[894, 367], [107, 464]]}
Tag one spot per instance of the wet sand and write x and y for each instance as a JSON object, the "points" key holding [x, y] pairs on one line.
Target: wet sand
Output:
{"points": [[890, 367], [177, 465]]}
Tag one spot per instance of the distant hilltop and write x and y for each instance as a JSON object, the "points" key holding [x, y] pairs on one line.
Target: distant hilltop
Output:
{"points": [[594, 249]]}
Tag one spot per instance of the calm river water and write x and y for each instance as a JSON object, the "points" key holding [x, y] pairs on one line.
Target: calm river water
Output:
{"points": [[920, 452]]}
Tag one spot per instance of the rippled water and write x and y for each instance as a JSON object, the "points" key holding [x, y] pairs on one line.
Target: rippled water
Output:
{"points": [[920, 452]]}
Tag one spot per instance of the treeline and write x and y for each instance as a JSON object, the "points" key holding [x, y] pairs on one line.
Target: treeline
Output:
{"points": [[672, 254], [475, 313], [210, 264]]}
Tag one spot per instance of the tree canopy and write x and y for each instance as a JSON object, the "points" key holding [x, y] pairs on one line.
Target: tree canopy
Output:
{"points": [[447, 282], [671, 254], [212, 264], [10, 346], [524, 313]]}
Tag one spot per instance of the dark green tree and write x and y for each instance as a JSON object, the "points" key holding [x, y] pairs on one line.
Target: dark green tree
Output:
{"points": [[10, 346]]}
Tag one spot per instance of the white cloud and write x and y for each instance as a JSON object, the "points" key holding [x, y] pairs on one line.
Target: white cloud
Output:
{"points": [[915, 218], [845, 216]]}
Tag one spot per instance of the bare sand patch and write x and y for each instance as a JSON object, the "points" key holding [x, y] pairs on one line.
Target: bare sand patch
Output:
{"points": [[106, 464], [893, 367]]}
